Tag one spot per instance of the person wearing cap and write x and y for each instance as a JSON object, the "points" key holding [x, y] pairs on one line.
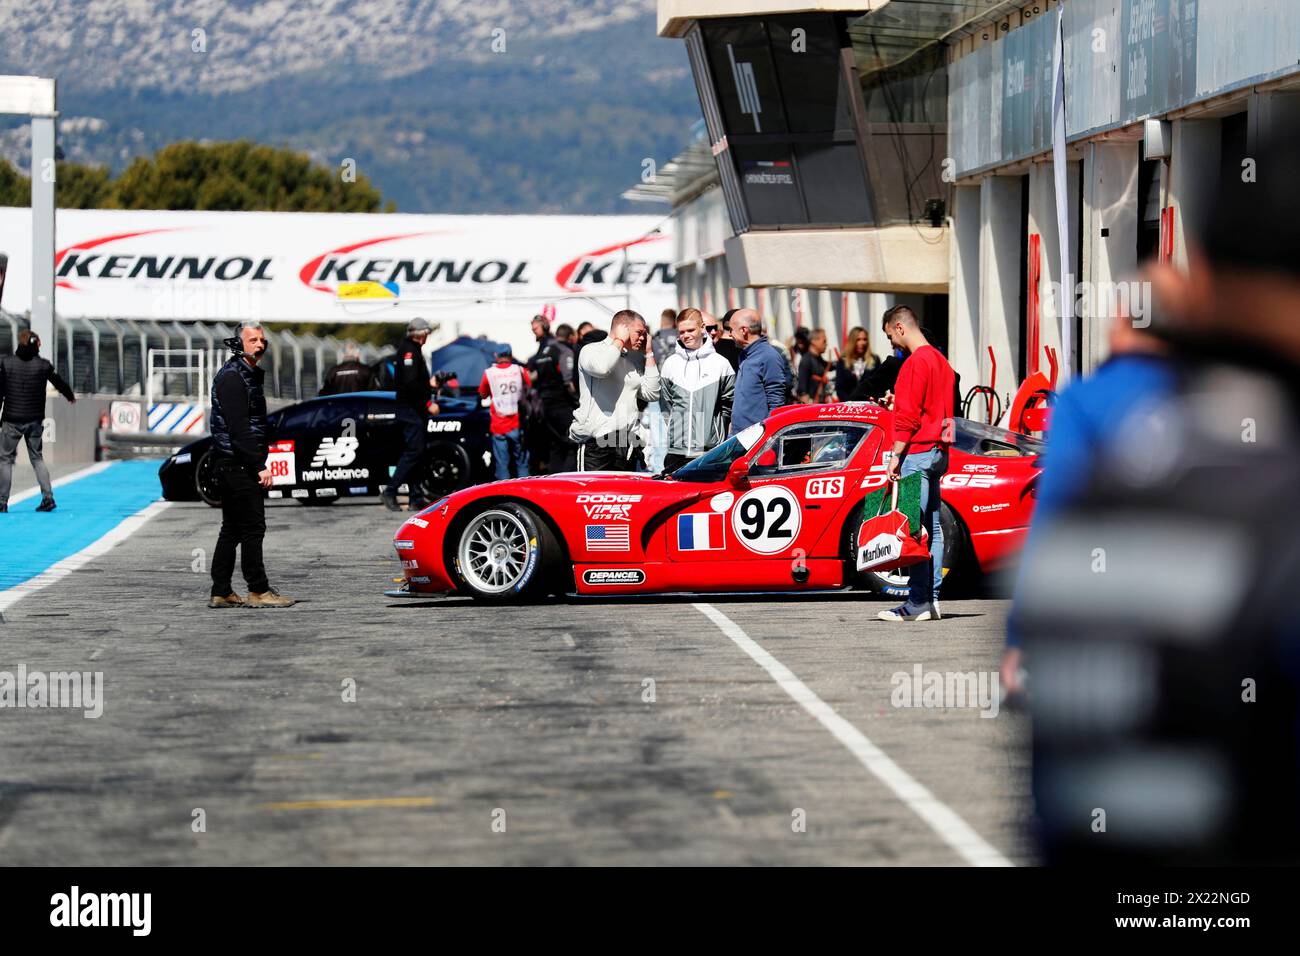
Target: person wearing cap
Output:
{"points": [[503, 384], [414, 388]]}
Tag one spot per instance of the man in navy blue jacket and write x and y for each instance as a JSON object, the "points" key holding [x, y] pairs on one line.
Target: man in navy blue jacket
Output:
{"points": [[763, 376]]}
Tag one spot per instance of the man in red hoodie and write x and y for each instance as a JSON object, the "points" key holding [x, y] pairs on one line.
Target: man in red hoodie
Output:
{"points": [[923, 425]]}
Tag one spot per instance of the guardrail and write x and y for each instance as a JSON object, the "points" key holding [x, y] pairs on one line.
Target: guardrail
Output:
{"points": [[116, 446]]}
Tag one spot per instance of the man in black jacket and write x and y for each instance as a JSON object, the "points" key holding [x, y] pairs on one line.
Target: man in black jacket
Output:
{"points": [[350, 375], [240, 438], [414, 389], [22, 390], [553, 368]]}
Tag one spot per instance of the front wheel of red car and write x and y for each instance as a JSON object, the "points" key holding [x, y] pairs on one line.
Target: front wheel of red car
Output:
{"points": [[505, 554]]}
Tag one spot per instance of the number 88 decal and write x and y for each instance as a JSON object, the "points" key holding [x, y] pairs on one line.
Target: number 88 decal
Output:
{"points": [[766, 520]]}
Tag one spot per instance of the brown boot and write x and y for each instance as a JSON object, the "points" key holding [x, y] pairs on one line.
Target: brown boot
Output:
{"points": [[269, 598], [230, 600]]}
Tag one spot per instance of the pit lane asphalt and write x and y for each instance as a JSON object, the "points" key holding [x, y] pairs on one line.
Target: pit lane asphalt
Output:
{"points": [[463, 712]]}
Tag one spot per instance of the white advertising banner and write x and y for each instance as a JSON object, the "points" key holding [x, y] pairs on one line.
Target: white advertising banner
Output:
{"points": [[470, 275]]}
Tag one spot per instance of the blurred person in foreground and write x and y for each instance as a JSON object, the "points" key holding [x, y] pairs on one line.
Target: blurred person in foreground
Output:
{"points": [[617, 373], [1155, 610]]}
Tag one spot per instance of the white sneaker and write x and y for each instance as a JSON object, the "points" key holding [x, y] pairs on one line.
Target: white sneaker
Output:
{"points": [[934, 606], [900, 613]]}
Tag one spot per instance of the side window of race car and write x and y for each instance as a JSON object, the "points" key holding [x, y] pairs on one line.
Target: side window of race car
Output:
{"points": [[812, 447]]}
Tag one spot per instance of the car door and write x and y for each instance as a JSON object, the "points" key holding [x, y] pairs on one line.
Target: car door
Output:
{"points": [[800, 481]]}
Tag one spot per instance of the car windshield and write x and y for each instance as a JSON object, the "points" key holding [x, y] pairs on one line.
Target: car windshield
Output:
{"points": [[714, 465], [989, 441]]}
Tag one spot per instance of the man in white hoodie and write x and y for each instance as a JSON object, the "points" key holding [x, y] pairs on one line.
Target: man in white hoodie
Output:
{"points": [[614, 375], [696, 389]]}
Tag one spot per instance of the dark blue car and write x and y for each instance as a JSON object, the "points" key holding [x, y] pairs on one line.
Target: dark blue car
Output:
{"points": [[345, 445]]}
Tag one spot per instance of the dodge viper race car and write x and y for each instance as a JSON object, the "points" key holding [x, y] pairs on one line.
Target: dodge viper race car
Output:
{"points": [[776, 507], [340, 445]]}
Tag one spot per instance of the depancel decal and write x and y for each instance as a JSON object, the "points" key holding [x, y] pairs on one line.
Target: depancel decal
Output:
{"points": [[608, 507], [605, 577]]}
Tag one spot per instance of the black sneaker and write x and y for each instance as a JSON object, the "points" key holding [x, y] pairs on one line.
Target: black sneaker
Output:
{"points": [[46, 505], [390, 501], [3, 509]]}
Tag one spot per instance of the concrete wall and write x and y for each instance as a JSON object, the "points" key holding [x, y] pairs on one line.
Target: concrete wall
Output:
{"points": [[999, 269], [964, 340], [1110, 227]]}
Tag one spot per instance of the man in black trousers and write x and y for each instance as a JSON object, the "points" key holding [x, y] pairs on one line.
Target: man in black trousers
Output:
{"points": [[22, 391], [240, 436], [414, 389]]}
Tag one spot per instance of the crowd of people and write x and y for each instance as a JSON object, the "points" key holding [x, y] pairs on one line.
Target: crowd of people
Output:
{"points": [[630, 399]]}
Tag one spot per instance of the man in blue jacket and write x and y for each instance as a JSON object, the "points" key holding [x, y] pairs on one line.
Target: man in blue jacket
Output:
{"points": [[763, 376]]}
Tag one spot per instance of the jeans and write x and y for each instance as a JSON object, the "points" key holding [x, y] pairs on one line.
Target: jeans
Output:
{"points": [[11, 436], [509, 455], [925, 577], [243, 524], [414, 430]]}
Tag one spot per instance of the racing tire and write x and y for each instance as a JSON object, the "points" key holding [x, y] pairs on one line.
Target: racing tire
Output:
{"points": [[447, 468], [205, 480], [894, 583], [505, 554]]}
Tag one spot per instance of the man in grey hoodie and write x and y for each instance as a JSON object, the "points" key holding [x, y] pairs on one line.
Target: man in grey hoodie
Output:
{"points": [[696, 387], [614, 375]]}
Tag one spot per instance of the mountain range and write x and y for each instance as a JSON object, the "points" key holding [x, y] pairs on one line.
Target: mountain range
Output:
{"points": [[493, 106]]}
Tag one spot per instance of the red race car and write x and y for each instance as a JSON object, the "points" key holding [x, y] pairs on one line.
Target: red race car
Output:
{"points": [[776, 507]]}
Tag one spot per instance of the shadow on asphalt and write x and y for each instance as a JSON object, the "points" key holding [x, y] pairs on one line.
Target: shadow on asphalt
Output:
{"points": [[819, 597]]}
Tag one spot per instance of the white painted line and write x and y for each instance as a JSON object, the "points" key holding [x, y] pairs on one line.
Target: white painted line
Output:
{"points": [[60, 570], [60, 482], [945, 822]]}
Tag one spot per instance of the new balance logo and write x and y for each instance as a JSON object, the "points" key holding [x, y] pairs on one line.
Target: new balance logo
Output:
{"points": [[335, 452]]}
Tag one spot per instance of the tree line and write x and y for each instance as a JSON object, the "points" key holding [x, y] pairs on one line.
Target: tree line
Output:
{"points": [[236, 176]]}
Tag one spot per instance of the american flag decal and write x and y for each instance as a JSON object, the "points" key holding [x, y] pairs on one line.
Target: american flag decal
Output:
{"points": [[614, 537]]}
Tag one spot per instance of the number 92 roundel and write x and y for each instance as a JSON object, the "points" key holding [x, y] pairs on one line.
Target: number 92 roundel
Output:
{"points": [[766, 520]]}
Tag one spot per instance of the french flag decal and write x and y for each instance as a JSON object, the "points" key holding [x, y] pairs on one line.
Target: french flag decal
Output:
{"points": [[701, 532]]}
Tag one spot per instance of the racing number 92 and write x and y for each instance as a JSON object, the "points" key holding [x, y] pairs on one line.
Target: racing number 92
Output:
{"points": [[766, 520]]}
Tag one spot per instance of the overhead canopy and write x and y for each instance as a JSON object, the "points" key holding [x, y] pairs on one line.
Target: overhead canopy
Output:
{"points": [[891, 34]]}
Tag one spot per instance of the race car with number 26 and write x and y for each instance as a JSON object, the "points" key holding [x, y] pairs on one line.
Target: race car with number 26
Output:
{"points": [[776, 507]]}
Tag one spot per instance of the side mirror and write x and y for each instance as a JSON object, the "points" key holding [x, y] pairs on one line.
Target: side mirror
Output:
{"points": [[738, 474]]}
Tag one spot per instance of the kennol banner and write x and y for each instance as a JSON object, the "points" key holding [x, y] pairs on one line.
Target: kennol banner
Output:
{"points": [[474, 272]]}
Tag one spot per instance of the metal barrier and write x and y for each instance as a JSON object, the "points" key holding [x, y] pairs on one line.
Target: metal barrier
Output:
{"points": [[110, 356]]}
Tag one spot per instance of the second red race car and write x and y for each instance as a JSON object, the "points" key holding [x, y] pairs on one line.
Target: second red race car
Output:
{"points": [[776, 507]]}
